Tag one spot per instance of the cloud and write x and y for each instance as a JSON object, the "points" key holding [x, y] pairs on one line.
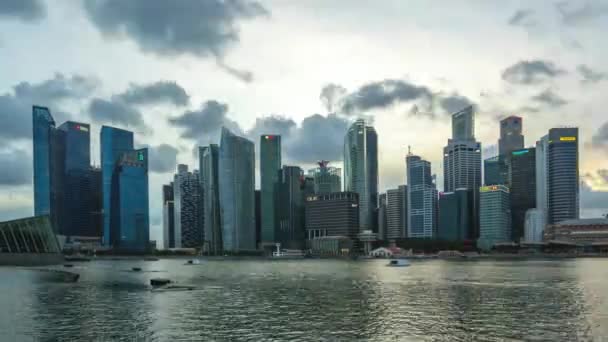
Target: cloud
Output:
{"points": [[163, 158], [331, 95], [318, 137], [579, 15], [16, 107], [593, 199], [26, 10], [16, 167], [589, 75], [531, 72], [274, 124], [382, 94], [600, 138], [243, 75], [205, 123], [454, 102], [170, 28], [157, 92], [116, 112], [549, 98], [523, 17]]}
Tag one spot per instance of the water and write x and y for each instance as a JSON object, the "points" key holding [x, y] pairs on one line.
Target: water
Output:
{"points": [[312, 300]]}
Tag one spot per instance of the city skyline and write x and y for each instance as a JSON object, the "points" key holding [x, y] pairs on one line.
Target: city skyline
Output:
{"points": [[152, 95]]}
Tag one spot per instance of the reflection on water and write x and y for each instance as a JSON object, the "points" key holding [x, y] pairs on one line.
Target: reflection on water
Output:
{"points": [[312, 300]]}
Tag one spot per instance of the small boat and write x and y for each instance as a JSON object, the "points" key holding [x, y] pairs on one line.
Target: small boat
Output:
{"points": [[136, 269], [287, 253], [398, 263], [193, 262]]}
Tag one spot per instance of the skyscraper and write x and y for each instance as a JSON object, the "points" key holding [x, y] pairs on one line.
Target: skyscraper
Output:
{"points": [[237, 186], [511, 137], [209, 167], [421, 198], [492, 171], [462, 160], [542, 180], [563, 175], [455, 215], [168, 217], [396, 213], [326, 179], [522, 183], [361, 170], [382, 221], [494, 216], [114, 142], [188, 211], [129, 220], [43, 131], [290, 208], [270, 164], [335, 214]]}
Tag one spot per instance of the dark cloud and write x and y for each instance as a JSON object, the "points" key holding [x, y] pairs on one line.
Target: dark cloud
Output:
{"points": [[16, 167], [115, 112], [523, 17], [454, 102], [278, 125], [550, 98], [169, 28], [600, 138], [574, 13], [243, 75], [382, 94], [204, 124], [27, 10], [589, 75], [163, 158], [158, 92], [16, 107], [318, 137], [531, 72], [331, 95]]}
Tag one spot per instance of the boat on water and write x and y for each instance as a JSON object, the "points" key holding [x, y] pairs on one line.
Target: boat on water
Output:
{"points": [[193, 262], [287, 253], [398, 263]]}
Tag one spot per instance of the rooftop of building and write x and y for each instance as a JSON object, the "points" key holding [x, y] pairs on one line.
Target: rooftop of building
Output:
{"points": [[584, 222]]}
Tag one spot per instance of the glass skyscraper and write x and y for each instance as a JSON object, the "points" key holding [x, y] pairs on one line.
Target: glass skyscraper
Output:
{"points": [[290, 208], [396, 213], [522, 185], [168, 217], [114, 142], [563, 175], [361, 170], [494, 216], [43, 132], [511, 138], [188, 211], [455, 215], [542, 147], [463, 124], [209, 168], [129, 220], [270, 164], [421, 199], [237, 198]]}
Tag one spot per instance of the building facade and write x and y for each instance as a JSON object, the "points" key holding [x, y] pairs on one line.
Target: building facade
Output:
{"points": [[542, 180], [455, 215], [188, 208], [290, 208], [382, 221], [168, 217], [511, 137], [209, 177], [332, 215], [237, 197], [326, 179], [522, 186], [421, 199], [270, 164], [563, 175], [534, 226], [361, 170], [494, 216], [493, 171], [580, 231], [396, 213]]}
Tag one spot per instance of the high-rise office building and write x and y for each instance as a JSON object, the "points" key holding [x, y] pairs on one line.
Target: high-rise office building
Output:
{"points": [[209, 168], [270, 164], [129, 220], [168, 217], [95, 201], [237, 192], [43, 132], [522, 186], [534, 225], [361, 170], [258, 217], [290, 208], [462, 159], [188, 215], [326, 178], [494, 216], [382, 222], [396, 213], [455, 215], [335, 214], [114, 142], [421, 199], [563, 175], [542, 180], [511, 137], [492, 171]]}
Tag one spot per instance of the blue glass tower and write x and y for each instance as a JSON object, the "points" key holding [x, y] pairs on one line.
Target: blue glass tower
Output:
{"points": [[129, 220], [43, 131], [114, 142]]}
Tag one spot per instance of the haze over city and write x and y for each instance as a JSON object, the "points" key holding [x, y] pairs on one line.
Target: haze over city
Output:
{"points": [[304, 70]]}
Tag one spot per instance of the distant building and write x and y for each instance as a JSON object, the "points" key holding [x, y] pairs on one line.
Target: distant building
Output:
{"points": [[209, 177], [326, 179], [129, 222], [168, 217], [522, 186], [258, 217], [270, 164], [396, 213], [421, 199], [463, 124], [534, 225], [455, 215], [542, 179], [563, 175], [580, 231], [237, 192], [511, 137], [331, 215], [290, 208], [188, 208], [382, 221], [493, 171], [361, 170], [494, 216]]}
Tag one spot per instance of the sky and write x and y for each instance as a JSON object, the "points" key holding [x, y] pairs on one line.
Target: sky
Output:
{"points": [[175, 72]]}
